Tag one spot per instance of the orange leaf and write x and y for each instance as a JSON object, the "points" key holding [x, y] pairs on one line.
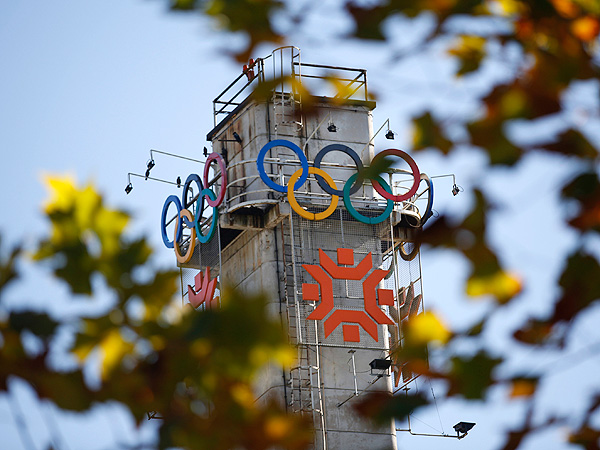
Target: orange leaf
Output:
{"points": [[586, 28]]}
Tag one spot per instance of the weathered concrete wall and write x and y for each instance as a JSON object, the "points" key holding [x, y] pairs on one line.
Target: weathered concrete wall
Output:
{"points": [[254, 261]]}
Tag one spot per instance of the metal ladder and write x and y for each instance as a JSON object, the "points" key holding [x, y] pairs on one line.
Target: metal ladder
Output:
{"points": [[305, 377], [287, 98]]}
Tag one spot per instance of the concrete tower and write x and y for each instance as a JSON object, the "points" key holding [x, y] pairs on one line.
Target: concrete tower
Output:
{"points": [[335, 258]]}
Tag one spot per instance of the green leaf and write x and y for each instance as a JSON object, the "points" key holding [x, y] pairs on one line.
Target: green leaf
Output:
{"points": [[572, 142], [579, 286], [427, 133], [471, 377], [381, 406], [39, 324]]}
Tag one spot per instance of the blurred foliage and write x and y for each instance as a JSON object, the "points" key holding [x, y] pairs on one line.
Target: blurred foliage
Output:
{"points": [[179, 363], [182, 365], [558, 44]]}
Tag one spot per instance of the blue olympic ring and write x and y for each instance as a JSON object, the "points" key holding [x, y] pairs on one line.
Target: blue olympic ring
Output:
{"points": [[428, 213], [348, 151], [163, 221], [260, 163]]}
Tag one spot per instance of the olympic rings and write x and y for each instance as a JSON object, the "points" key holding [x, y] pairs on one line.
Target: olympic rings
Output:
{"points": [[182, 206], [415, 172], [328, 185], [360, 217], [204, 238], [221, 162], [190, 251], [260, 163], [299, 209], [344, 149]]}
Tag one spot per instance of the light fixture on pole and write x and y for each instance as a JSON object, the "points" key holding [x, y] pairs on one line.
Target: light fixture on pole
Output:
{"points": [[380, 364], [129, 186], [462, 428]]}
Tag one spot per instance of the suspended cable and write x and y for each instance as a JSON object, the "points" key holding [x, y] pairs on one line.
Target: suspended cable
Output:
{"points": [[436, 405], [17, 413]]}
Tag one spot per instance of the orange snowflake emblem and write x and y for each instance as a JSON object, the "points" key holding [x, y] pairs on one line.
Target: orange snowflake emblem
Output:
{"points": [[325, 273]]}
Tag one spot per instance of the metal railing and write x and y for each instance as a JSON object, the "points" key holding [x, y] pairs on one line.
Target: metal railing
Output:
{"points": [[290, 78]]}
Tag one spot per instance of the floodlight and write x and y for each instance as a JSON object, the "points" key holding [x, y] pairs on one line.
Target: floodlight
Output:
{"points": [[462, 428], [205, 151], [380, 364], [151, 164], [455, 190], [332, 128], [389, 134], [237, 137], [128, 188]]}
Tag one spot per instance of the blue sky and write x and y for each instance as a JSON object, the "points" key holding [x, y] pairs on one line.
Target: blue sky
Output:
{"points": [[88, 88]]}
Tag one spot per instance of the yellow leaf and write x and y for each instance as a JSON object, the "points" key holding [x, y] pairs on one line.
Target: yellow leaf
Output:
{"points": [[522, 388], [61, 191], [86, 213], [112, 349], [242, 394], [426, 328], [566, 8], [83, 351], [200, 348], [277, 427], [510, 7], [586, 28], [502, 285]]}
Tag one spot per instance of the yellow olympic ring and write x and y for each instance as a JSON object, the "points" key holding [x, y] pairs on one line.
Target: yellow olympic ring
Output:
{"points": [[299, 209], [182, 259], [408, 256]]}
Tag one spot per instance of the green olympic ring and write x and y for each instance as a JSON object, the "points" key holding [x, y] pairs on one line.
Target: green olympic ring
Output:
{"points": [[360, 217]]}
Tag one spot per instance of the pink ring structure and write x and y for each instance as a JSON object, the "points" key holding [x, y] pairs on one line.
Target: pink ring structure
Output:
{"points": [[415, 172], [221, 162]]}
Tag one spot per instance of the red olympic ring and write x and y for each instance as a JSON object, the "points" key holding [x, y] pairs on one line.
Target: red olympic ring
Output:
{"points": [[415, 172], [221, 162]]}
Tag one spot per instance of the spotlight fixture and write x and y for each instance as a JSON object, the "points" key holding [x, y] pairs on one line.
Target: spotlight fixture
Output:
{"points": [[455, 190], [331, 128], [128, 188], [150, 165], [381, 365], [462, 428], [237, 137], [389, 134], [205, 152], [178, 182]]}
